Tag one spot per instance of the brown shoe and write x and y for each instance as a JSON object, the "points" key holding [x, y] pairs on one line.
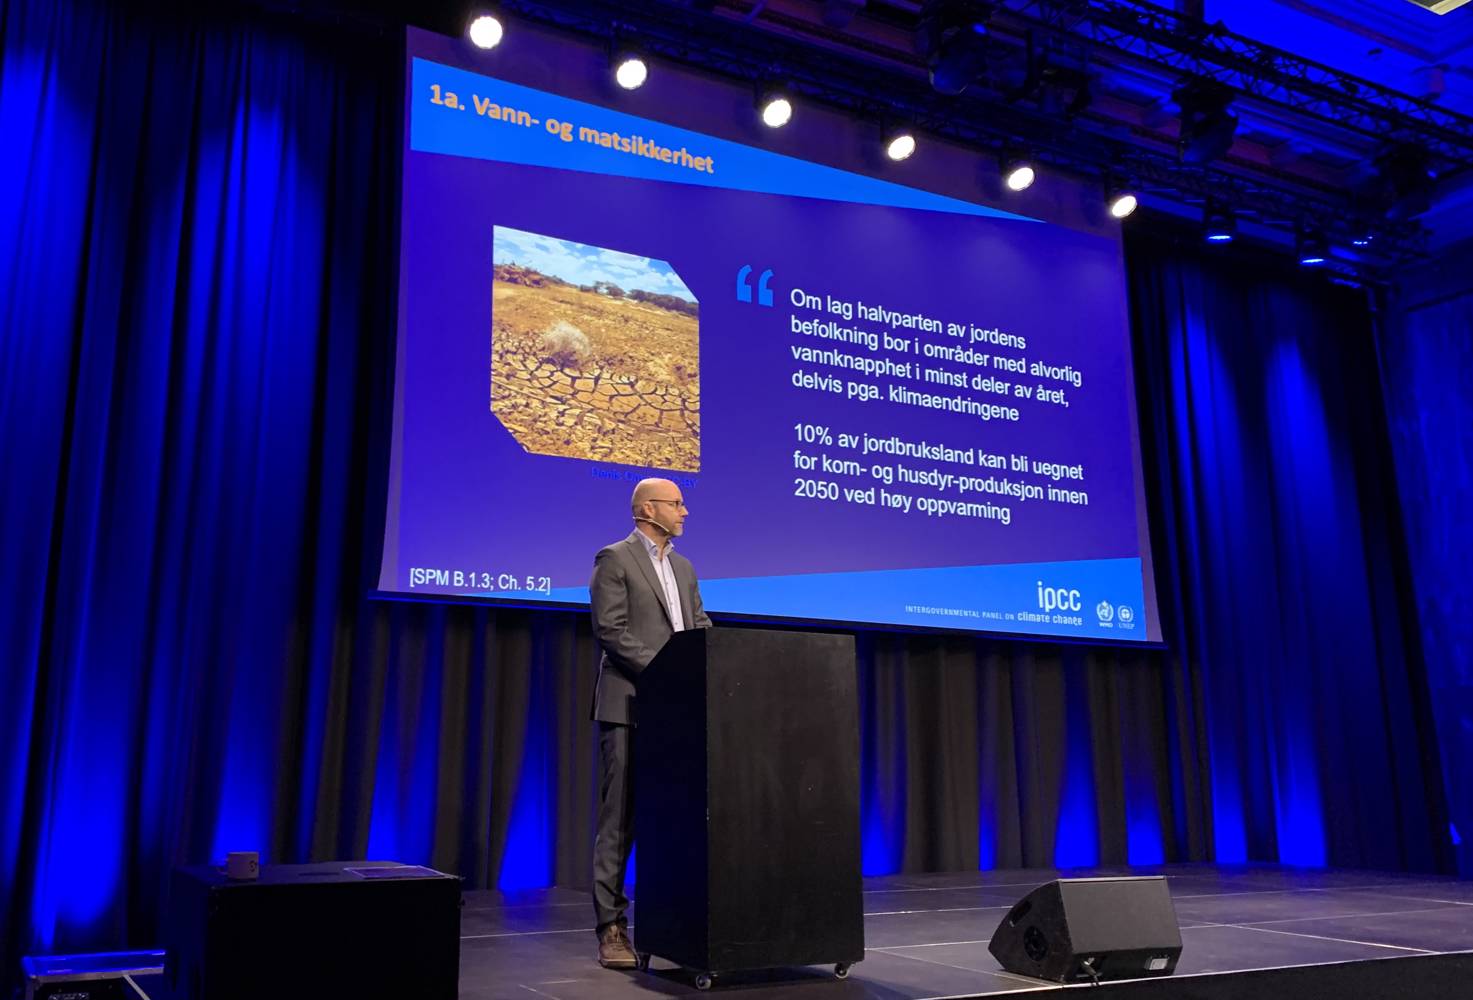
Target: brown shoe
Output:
{"points": [[614, 948]]}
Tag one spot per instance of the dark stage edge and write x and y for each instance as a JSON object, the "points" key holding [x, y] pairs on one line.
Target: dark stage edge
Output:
{"points": [[1250, 931]]}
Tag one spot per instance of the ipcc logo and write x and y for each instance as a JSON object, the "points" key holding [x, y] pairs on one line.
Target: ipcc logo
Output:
{"points": [[1057, 598]]}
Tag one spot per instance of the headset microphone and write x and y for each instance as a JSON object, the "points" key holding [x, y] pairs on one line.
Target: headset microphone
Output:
{"points": [[657, 524]]}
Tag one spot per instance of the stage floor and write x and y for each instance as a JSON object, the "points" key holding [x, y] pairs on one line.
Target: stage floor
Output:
{"points": [[926, 936]]}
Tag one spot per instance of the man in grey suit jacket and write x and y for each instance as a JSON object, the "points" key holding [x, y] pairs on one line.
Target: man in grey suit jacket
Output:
{"points": [[642, 593]]}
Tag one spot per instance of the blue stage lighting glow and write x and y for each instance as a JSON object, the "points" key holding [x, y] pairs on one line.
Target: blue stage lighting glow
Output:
{"points": [[1144, 841], [526, 859], [881, 778], [877, 854], [1143, 844], [1219, 224], [986, 845], [1295, 394], [1312, 248], [526, 863], [1229, 834], [1076, 837]]}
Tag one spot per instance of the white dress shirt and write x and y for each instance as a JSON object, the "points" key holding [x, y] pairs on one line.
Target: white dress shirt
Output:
{"points": [[665, 573]]}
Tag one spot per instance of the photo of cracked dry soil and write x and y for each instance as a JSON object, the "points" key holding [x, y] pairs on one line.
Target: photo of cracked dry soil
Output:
{"points": [[599, 371]]}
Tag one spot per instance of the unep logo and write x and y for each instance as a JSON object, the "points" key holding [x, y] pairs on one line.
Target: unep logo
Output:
{"points": [[1106, 611], [1127, 614]]}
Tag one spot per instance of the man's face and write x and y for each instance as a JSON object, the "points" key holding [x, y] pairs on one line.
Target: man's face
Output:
{"points": [[668, 510]]}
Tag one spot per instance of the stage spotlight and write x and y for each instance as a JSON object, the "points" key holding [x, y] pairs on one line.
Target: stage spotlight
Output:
{"points": [[952, 36], [775, 107], [1312, 248], [1363, 240], [899, 144], [1219, 224], [485, 31], [1207, 129], [1122, 201], [1017, 172], [630, 69]]}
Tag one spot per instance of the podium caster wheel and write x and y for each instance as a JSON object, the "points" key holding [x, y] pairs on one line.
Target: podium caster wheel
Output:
{"points": [[642, 961], [703, 981], [841, 971]]}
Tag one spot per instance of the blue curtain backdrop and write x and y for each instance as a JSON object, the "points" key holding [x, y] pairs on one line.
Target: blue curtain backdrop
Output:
{"points": [[196, 221], [1427, 364], [1287, 586]]}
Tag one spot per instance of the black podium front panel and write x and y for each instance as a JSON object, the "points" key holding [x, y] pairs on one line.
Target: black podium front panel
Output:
{"points": [[747, 801]]}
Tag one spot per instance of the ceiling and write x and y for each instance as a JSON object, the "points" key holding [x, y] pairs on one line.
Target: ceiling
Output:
{"points": [[1298, 69], [1322, 89], [1392, 42], [1396, 43]]}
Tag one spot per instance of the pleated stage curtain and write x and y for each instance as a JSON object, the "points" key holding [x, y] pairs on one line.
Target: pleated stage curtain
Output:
{"points": [[196, 252], [1427, 369]]}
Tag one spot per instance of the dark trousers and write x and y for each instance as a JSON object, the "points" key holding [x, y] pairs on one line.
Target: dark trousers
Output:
{"points": [[615, 823]]}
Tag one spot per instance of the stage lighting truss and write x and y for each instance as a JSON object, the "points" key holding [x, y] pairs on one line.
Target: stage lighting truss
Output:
{"points": [[1159, 36], [855, 72]]}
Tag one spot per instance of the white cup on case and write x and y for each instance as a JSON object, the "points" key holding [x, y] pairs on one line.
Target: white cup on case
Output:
{"points": [[242, 865]]}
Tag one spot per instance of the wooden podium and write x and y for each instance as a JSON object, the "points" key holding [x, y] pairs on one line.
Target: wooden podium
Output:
{"points": [[746, 766]]}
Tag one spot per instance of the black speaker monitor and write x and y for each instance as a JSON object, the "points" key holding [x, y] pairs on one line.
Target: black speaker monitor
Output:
{"points": [[1091, 929]]}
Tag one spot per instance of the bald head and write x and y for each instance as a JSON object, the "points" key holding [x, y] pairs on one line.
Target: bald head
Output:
{"points": [[649, 489], [658, 508]]}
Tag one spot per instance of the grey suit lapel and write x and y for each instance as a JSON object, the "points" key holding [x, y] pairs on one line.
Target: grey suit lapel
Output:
{"points": [[641, 558], [682, 588]]}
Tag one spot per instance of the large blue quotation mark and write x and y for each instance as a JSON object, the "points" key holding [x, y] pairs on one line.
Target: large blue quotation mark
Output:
{"points": [[744, 286]]}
